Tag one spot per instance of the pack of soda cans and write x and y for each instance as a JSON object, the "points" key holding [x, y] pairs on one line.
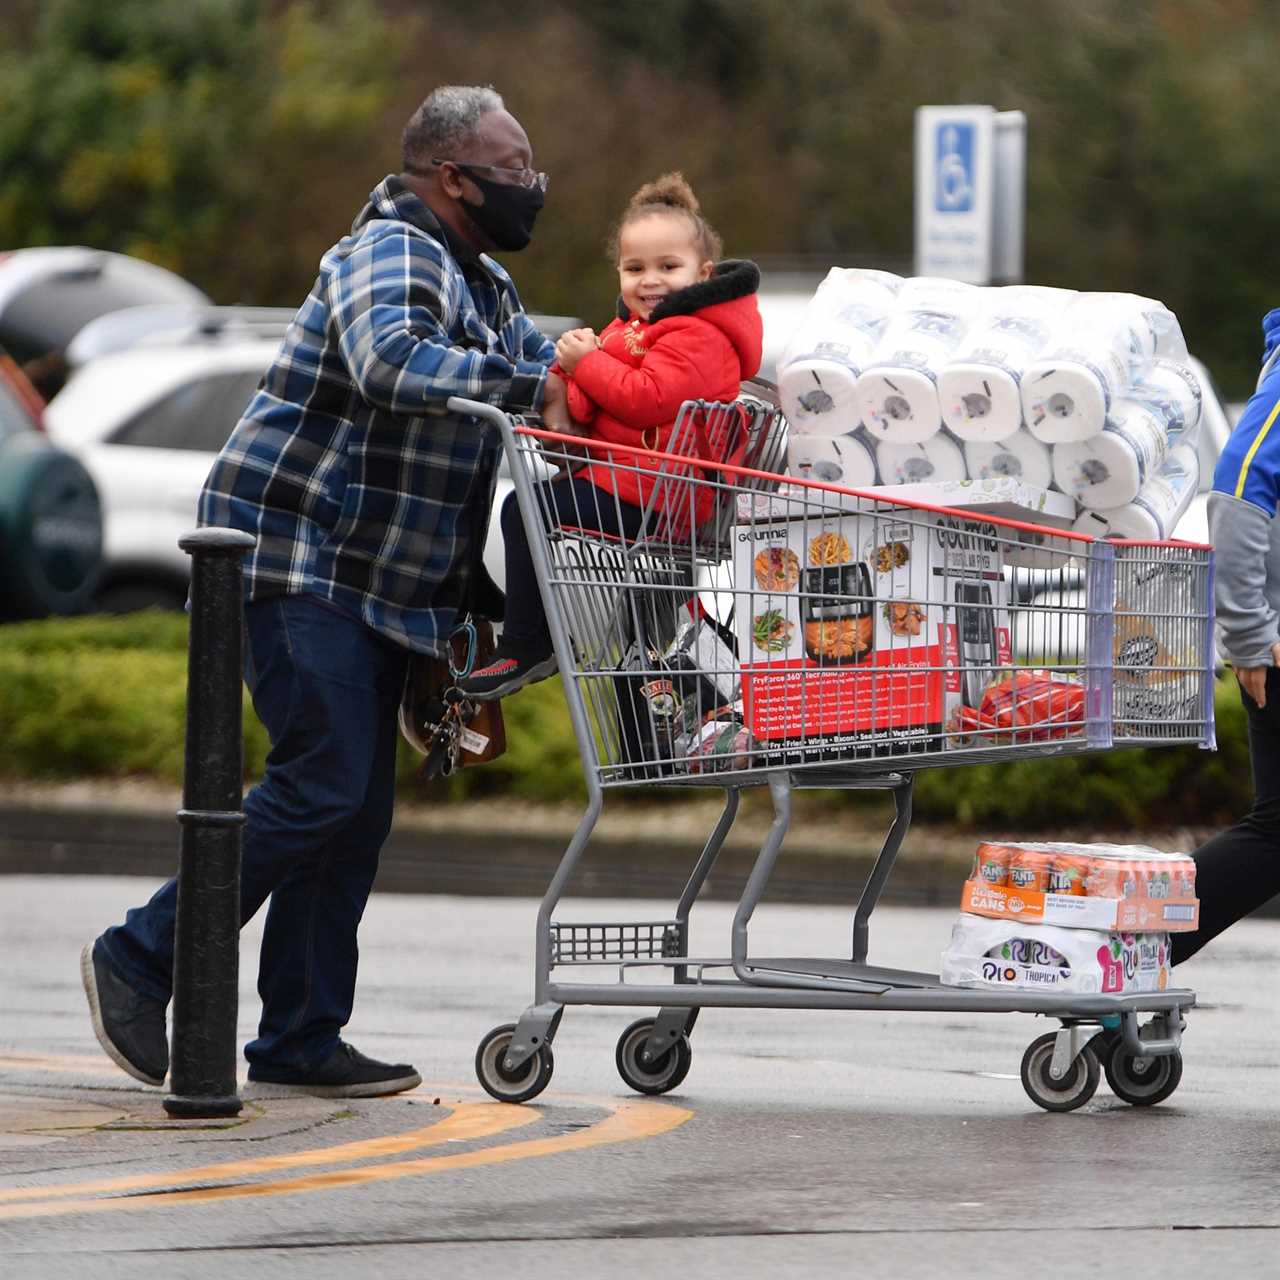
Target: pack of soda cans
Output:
{"points": [[1074, 917]]}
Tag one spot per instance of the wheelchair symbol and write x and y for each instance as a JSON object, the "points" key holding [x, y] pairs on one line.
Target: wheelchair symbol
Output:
{"points": [[955, 155]]}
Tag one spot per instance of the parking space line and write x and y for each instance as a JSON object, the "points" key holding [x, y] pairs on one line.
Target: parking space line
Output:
{"points": [[464, 1122], [628, 1122]]}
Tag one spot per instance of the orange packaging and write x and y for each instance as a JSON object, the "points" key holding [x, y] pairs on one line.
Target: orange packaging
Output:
{"points": [[991, 864], [1111, 878], [1158, 879], [1031, 869], [1184, 878], [1068, 874]]}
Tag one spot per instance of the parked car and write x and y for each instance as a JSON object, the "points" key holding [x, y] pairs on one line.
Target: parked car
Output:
{"points": [[48, 294], [50, 517], [147, 422], [147, 412]]}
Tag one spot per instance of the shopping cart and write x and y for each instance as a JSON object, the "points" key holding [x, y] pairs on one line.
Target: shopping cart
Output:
{"points": [[756, 630]]}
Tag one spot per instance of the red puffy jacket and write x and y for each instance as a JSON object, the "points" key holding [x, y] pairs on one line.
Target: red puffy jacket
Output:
{"points": [[699, 343]]}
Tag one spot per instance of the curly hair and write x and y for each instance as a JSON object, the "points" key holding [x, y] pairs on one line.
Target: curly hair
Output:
{"points": [[668, 194]]}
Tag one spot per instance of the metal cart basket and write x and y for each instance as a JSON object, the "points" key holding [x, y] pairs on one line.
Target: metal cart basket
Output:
{"points": [[746, 629]]}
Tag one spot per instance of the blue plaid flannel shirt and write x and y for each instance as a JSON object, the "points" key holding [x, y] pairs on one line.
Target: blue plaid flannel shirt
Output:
{"points": [[360, 488]]}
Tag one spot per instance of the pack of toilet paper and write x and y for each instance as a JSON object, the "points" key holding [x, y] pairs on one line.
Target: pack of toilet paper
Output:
{"points": [[895, 381], [897, 391], [818, 371], [979, 389], [1104, 343]]}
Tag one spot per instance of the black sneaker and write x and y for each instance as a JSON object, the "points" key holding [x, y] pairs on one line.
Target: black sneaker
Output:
{"points": [[507, 671], [346, 1073], [130, 1028]]}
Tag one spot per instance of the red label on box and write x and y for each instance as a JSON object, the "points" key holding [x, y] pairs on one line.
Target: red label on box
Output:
{"points": [[901, 688]]}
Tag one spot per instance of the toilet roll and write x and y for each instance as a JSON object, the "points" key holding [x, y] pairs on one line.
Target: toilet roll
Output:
{"points": [[935, 460], [818, 369], [819, 395], [1161, 502], [1102, 344], [1172, 389], [849, 460], [1020, 456], [979, 401], [897, 390], [1109, 469], [978, 389]]}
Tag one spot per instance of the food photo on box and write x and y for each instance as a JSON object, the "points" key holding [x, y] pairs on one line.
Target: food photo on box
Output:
{"points": [[861, 627]]}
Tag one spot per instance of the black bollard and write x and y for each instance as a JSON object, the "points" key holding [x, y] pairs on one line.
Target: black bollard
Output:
{"points": [[206, 958]]}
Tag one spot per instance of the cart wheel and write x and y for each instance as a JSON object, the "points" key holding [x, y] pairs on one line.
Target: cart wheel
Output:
{"points": [[1073, 1090], [661, 1074], [526, 1081], [1142, 1081]]}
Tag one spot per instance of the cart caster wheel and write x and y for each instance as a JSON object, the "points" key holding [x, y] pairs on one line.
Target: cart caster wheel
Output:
{"points": [[525, 1082], [1073, 1090], [660, 1075], [1142, 1082]]}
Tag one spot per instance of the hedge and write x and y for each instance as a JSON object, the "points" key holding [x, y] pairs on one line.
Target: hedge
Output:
{"points": [[105, 698]]}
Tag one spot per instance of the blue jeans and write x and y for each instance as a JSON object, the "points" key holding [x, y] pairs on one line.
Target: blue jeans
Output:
{"points": [[327, 688]]}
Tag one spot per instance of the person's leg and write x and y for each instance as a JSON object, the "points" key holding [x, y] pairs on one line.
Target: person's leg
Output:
{"points": [[1238, 870], [307, 967], [141, 949], [524, 622], [524, 653]]}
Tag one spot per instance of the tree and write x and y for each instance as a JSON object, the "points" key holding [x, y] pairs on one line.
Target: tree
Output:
{"points": [[155, 129]]}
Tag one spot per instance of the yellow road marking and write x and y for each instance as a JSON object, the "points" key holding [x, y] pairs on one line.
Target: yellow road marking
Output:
{"points": [[629, 1122], [468, 1121]]}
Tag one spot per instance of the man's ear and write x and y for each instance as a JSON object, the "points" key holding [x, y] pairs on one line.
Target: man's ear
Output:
{"points": [[704, 271], [451, 181]]}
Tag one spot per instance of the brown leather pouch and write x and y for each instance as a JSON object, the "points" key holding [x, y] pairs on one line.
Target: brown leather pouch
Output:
{"points": [[451, 732]]}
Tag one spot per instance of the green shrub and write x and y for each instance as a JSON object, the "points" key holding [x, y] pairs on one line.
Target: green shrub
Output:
{"points": [[100, 697], [105, 698]]}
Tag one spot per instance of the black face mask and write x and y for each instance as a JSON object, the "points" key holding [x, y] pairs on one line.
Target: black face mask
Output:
{"points": [[508, 213]]}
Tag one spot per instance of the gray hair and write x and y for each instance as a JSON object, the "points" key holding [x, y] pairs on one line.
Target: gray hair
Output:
{"points": [[445, 122]]}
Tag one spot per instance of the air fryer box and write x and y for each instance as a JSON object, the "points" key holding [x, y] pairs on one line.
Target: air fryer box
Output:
{"points": [[865, 628]]}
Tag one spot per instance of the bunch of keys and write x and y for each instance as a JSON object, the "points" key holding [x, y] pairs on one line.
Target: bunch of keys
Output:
{"points": [[451, 738]]}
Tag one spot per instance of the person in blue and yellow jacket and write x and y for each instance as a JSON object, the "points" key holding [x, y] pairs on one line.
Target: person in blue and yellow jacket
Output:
{"points": [[1239, 869]]}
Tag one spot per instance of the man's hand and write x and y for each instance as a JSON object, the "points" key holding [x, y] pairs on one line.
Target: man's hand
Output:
{"points": [[573, 345], [1253, 680]]}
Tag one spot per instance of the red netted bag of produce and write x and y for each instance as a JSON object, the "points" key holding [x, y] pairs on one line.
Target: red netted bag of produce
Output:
{"points": [[1027, 706]]}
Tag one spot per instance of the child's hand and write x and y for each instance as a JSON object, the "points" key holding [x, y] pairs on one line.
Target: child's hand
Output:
{"points": [[573, 345]]}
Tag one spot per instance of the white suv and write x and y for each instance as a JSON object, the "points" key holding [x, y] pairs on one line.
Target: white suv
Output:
{"points": [[148, 413], [147, 422]]}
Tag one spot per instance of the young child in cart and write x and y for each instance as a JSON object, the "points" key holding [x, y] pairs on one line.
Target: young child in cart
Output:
{"points": [[688, 328]]}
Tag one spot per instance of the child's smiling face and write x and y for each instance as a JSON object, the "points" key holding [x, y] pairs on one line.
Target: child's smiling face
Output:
{"points": [[657, 255]]}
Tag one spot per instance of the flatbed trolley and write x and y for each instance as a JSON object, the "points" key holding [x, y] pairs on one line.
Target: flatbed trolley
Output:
{"points": [[874, 637]]}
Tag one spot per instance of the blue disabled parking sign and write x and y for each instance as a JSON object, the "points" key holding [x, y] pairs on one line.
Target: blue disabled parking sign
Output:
{"points": [[953, 167], [956, 206]]}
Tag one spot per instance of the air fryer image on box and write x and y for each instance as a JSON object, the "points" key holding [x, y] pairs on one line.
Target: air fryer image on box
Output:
{"points": [[837, 614]]}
